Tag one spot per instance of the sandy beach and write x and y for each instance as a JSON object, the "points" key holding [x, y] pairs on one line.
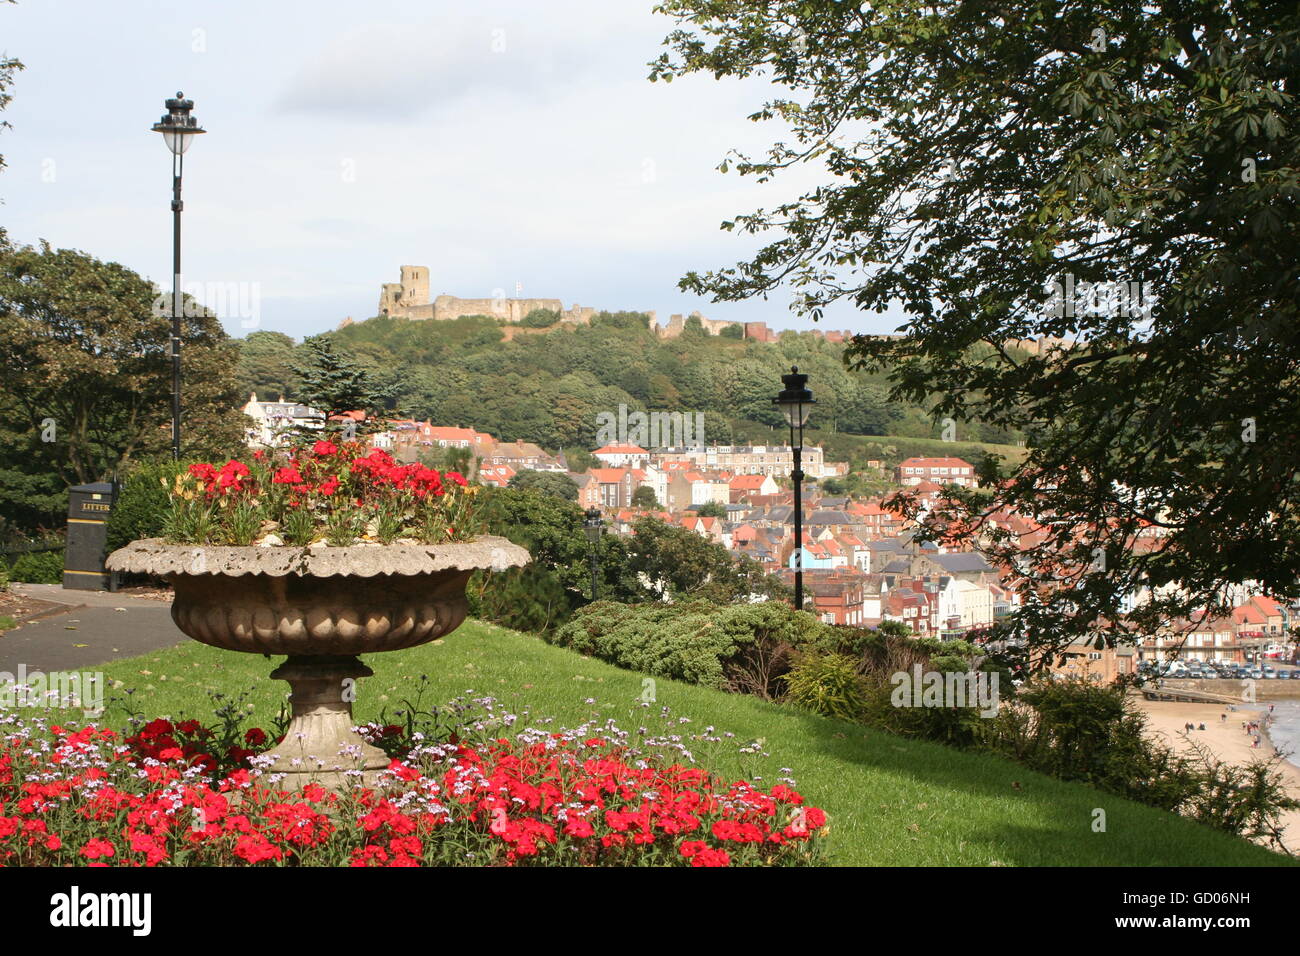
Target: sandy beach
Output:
{"points": [[1225, 739]]}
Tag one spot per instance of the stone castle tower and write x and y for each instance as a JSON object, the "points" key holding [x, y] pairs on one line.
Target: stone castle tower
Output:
{"points": [[413, 290]]}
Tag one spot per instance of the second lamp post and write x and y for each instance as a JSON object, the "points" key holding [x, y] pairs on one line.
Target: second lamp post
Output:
{"points": [[795, 402], [594, 527]]}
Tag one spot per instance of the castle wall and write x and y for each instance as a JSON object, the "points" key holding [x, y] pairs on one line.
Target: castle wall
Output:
{"points": [[512, 310], [410, 299]]}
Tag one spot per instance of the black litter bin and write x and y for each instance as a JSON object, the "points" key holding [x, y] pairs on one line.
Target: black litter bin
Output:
{"points": [[83, 558]]}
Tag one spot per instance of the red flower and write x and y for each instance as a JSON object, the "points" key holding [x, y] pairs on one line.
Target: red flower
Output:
{"points": [[204, 472], [255, 737], [578, 827], [97, 848], [288, 476], [329, 486], [156, 728], [254, 848], [324, 448], [232, 476], [711, 858]]}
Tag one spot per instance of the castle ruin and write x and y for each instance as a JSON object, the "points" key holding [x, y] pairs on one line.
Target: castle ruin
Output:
{"points": [[409, 299]]}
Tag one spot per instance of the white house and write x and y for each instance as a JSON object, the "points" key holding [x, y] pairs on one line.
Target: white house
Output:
{"points": [[623, 456], [969, 605], [273, 420]]}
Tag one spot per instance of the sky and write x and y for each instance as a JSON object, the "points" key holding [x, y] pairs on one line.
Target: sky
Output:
{"points": [[512, 146]]}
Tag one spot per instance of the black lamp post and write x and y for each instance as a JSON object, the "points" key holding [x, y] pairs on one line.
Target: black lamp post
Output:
{"points": [[795, 402], [178, 129], [593, 527]]}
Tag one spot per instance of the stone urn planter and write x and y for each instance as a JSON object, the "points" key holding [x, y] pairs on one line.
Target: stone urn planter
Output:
{"points": [[322, 607]]}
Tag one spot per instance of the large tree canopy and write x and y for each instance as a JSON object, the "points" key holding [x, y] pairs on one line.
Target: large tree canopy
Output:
{"points": [[982, 162], [87, 380]]}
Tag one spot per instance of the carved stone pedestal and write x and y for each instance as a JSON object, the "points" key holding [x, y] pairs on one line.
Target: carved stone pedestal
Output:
{"points": [[320, 745]]}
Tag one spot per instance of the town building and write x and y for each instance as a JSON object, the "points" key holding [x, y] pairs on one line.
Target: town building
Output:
{"points": [[775, 461], [941, 471], [622, 456], [273, 422]]}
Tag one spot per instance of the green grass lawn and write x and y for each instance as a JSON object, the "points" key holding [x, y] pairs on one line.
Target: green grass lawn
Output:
{"points": [[934, 447], [891, 801]]}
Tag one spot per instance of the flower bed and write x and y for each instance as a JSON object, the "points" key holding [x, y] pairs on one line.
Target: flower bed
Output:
{"points": [[183, 794], [333, 493]]}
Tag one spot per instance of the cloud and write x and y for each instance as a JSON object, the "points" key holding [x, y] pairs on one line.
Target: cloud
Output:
{"points": [[399, 72]]}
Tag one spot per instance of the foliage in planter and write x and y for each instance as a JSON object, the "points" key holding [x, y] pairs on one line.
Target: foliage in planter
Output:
{"points": [[739, 647], [38, 567], [143, 502], [338, 494]]}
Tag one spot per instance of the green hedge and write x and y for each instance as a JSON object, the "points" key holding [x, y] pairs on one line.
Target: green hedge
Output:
{"points": [[738, 647], [142, 503], [38, 567]]}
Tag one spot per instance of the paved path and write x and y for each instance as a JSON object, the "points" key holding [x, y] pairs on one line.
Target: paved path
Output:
{"points": [[89, 630]]}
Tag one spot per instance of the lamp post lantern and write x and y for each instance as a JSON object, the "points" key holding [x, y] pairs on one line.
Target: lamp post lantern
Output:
{"points": [[178, 130], [593, 527], [795, 402]]}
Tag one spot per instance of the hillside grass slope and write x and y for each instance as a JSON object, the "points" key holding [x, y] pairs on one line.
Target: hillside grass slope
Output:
{"points": [[892, 801]]}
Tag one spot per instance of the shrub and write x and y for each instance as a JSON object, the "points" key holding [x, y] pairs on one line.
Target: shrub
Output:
{"points": [[38, 567], [143, 503], [738, 647], [540, 319], [1077, 720], [528, 599], [827, 684]]}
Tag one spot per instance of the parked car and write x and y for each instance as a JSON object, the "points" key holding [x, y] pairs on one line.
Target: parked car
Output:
{"points": [[1255, 674]]}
